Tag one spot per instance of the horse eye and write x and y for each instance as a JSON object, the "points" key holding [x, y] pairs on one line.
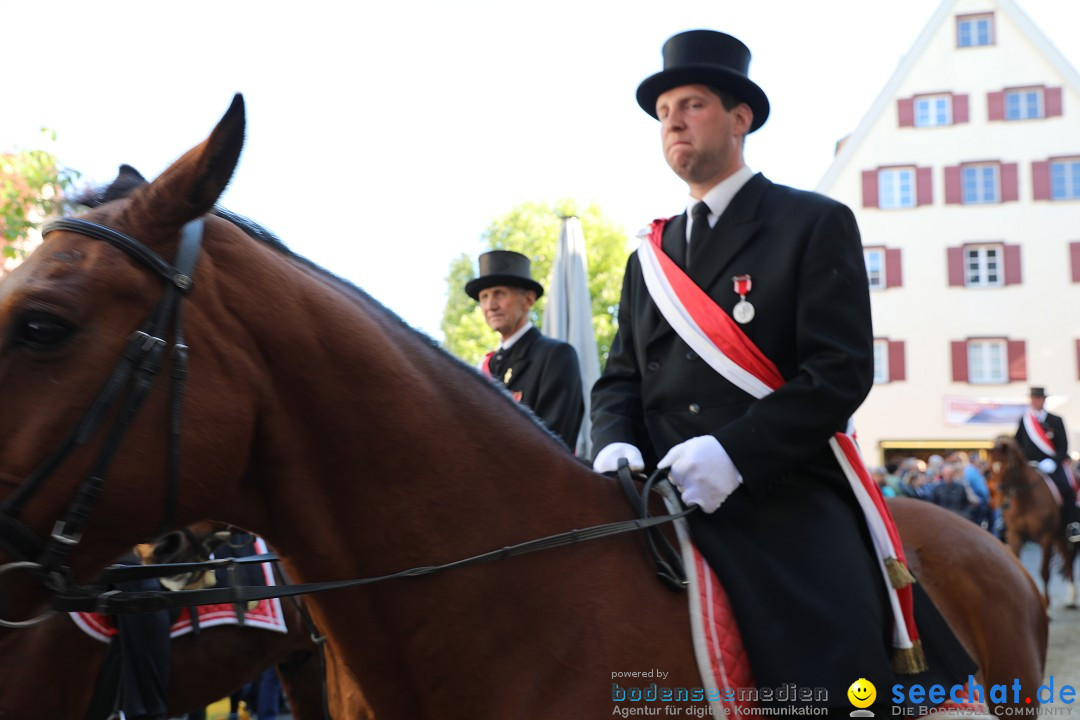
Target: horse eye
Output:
{"points": [[43, 332]]}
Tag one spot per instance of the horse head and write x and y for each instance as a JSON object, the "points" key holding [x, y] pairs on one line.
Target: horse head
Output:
{"points": [[70, 441], [1008, 466]]}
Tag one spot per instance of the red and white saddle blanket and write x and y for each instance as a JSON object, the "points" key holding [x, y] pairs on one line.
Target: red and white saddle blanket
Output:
{"points": [[266, 615], [718, 646]]}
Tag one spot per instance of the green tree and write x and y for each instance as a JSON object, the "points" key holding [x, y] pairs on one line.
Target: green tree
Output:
{"points": [[33, 186], [533, 230]]}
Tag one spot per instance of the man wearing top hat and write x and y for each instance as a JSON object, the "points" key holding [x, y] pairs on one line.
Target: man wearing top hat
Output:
{"points": [[540, 372], [1042, 438], [779, 523]]}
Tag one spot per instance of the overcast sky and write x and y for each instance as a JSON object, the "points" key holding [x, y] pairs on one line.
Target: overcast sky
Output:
{"points": [[383, 137]]}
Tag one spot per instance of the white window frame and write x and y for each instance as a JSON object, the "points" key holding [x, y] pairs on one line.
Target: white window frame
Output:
{"points": [[881, 361], [875, 267], [988, 362], [981, 184], [933, 110], [1024, 104], [984, 265], [896, 188], [976, 30], [1065, 179]]}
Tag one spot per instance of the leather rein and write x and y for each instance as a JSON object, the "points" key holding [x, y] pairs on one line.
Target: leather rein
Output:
{"points": [[80, 599], [133, 377]]}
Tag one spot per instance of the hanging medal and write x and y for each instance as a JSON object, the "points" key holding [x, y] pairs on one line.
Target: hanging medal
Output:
{"points": [[743, 312]]}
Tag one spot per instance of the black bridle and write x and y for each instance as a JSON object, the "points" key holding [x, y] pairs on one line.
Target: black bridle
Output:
{"points": [[129, 384]]}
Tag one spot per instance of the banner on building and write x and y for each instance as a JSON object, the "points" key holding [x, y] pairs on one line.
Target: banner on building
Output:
{"points": [[983, 411]]}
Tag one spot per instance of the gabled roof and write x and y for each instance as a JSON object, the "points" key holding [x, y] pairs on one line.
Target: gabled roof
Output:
{"points": [[943, 14]]}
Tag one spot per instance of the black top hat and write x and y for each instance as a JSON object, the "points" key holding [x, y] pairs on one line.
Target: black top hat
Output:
{"points": [[705, 57], [1038, 392], [502, 267]]}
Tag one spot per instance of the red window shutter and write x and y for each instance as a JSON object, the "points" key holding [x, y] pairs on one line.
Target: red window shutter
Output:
{"points": [[894, 276], [869, 188], [995, 105], [954, 191], [897, 370], [1040, 180], [905, 110], [1010, 185], [1074, 258], [959, 109], [956, 266], [1012, 265], [959, 361], [1052, 101], [924, 185], [1017, 360]]}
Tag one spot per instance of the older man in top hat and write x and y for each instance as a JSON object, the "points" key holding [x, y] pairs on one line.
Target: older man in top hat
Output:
{"points": [[540, 372], [755, 280], [1042, 438]]}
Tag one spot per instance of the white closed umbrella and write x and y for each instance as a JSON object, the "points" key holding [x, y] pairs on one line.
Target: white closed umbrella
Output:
{"points": [[568, 313]]}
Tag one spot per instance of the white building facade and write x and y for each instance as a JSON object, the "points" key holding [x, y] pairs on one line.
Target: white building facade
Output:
{"points": [[965, 179]]}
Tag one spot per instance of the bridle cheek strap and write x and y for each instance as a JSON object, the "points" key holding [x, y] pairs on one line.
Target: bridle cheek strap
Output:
{"points": [[132, 379]]}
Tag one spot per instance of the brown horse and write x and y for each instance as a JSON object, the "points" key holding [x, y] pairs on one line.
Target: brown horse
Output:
{"points": [[317, 419], [41, 682], [1031, 511]]}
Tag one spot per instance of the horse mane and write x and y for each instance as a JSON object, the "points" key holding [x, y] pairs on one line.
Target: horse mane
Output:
{"points": [[129, 179]]}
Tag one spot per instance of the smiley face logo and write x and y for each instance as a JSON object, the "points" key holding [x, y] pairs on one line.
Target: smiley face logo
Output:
{"points": [[862, 693]]}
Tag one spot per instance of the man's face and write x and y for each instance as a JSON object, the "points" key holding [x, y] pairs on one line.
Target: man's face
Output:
{"points": [[1037, 403], [506, 308], [702, 140]]}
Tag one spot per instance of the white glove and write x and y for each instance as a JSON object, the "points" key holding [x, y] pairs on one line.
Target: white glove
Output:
{"points": [[703, 471], [1047, 465], [607, 460]]}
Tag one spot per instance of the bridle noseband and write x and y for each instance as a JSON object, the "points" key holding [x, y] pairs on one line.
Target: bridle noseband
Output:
{"points": [[131, 379]]}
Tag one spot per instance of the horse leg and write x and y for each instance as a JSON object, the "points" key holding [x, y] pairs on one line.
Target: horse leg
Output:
{"points": [[1047, 554], [1068, 558]]}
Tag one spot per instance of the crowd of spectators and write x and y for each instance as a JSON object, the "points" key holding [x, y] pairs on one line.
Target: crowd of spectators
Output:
{"points": [[957, 482]]}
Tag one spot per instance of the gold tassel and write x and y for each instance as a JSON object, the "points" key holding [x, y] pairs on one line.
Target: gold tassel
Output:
{"points": [[899, 576], [910, 661]]}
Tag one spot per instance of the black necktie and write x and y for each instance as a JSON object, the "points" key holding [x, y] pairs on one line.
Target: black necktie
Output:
{"points": [[496, 364], [698, 230]]}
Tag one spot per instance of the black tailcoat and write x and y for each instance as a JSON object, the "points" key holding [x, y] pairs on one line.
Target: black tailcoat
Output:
{"points": [[790, 545], [543, 374], [1055, 430]]}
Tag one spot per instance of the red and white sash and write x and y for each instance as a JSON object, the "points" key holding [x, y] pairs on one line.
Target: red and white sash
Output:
{"points": [[1037, 433], [719, 341]]}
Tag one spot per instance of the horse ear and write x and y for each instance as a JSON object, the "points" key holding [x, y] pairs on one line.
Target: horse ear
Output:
{"points": [[190, 186], [127, 179]]}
